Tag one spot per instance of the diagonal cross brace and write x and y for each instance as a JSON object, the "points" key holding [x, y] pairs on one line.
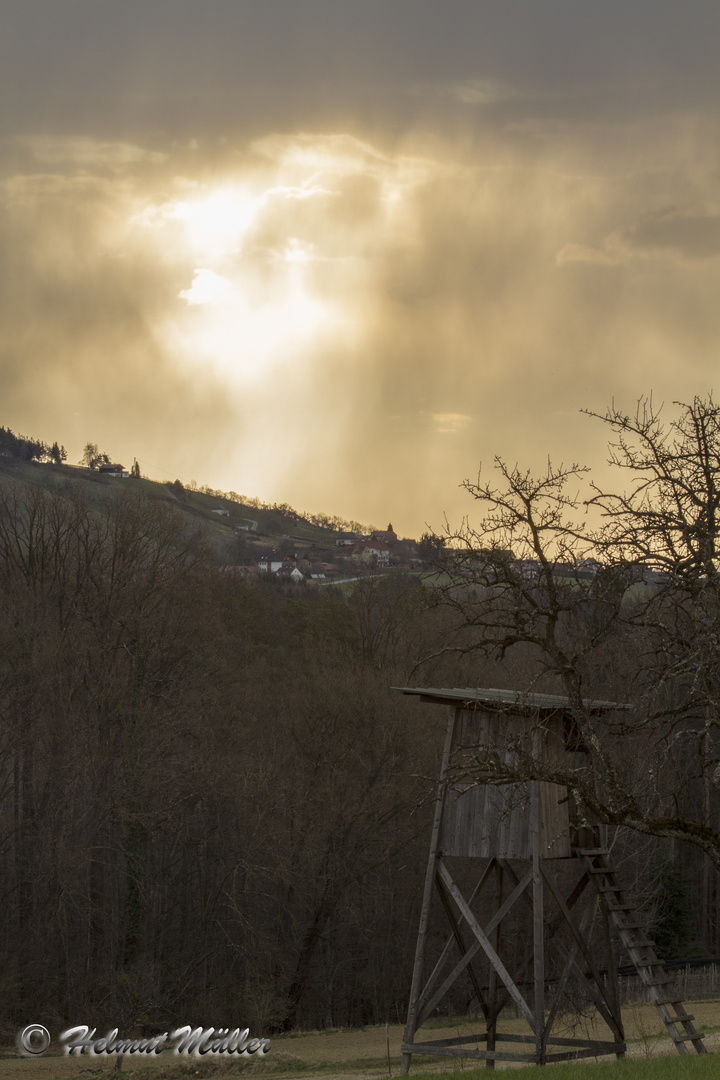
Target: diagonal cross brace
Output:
{"points": [[448, 949], [607, 1005], [486, 945], [426, 1008], [460, 940]]}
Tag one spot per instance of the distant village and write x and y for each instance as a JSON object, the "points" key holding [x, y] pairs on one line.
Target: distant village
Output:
{"points": [[352, 552], [344, 556]]}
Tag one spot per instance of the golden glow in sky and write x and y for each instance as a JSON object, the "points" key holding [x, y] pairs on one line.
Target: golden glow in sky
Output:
{"points": [[345, 283], [257, 306]]}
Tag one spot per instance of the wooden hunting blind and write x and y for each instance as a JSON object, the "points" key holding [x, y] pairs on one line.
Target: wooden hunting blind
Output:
{"points": [[542, 922]]}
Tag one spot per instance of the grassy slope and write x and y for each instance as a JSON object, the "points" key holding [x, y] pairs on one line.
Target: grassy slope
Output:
{"points": [[272, 525]]}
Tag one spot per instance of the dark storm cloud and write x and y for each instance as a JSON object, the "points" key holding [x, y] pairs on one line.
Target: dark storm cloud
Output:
{"points": [[692, 235], [236, 67]]}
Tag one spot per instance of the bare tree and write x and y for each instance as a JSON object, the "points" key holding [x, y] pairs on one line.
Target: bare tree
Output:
{"points": [[666, 528], [629, 610]]}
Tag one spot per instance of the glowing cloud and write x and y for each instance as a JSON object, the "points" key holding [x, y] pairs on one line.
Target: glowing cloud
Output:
{"points": [[312, 304], [207, 288], [211, 224], [450, 423], [217, 222]]}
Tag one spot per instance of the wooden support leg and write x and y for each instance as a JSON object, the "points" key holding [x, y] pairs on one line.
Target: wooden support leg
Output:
{"points": [[611, 964], [493, 990], [411, 1024], [538, 923]]}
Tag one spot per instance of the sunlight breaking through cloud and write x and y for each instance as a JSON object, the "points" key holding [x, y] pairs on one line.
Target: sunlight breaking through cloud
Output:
{"points": [[207, 288], [341, 306]]}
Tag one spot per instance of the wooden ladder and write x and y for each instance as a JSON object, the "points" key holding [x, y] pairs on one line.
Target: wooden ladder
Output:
{"points": [[642, 952]]}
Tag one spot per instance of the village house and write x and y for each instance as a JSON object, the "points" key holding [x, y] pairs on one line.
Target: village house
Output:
{"points": [[388, 536], [527, 568], [318, 567], [347, 539], [113, 470], [372, 552], [270, 564], [273, 564], [290, 573], [589, 567]]}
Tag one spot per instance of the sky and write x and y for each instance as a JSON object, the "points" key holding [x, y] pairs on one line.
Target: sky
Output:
{"points": [[341, 253]]}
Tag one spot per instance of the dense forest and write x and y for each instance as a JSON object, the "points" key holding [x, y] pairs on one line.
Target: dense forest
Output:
{"points": [[211, 799], [213, 805]]}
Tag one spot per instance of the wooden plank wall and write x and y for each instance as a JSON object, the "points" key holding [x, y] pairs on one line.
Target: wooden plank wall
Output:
{"points": [[485, 821]]}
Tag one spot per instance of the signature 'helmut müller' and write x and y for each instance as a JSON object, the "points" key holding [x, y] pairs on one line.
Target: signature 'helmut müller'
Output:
{"points": [[199, 1041]]}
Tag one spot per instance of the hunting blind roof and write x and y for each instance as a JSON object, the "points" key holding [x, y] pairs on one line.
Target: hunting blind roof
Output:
{"points": [[505, 700]]}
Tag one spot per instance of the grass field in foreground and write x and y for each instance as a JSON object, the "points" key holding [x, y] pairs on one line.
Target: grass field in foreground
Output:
{"points": [[666, 1068], [361, 1054]]}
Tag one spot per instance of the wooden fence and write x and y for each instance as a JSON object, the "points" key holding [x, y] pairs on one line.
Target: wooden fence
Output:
{"points": [[690, 983]]}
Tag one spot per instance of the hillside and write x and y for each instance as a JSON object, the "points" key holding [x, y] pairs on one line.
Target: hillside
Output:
{"points": [[242, 533]]}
